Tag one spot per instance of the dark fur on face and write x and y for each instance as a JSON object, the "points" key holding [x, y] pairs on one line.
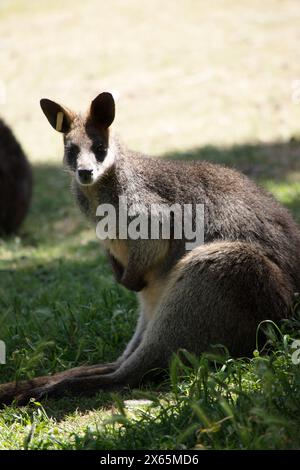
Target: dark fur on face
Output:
{"points": [[86, 147], [86, 138], [71, 154]]}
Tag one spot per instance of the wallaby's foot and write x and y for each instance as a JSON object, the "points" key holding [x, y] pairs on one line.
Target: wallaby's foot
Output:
{"points": [[13, 392], [86, 386], [21, 392]]}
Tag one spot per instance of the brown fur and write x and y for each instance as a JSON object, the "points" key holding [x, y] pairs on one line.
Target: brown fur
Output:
{"points": [[218, 293]]}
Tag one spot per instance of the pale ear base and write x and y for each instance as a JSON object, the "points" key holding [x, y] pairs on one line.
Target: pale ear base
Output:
{"points": [[102, 110], [59, 117]]}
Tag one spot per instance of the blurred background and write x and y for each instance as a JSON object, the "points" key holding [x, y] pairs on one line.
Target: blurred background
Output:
{"points": [[186, 73]]}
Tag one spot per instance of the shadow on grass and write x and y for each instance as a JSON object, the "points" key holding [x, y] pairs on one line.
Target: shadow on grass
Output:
{"points": [[260, 161], [62, 314], [53, 212]]}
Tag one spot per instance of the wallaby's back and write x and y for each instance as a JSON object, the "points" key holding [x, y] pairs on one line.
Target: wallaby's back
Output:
{"points": [[235, 208]]}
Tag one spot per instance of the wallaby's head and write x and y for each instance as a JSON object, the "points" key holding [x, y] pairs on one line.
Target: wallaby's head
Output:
{"points": [[86, 137]]}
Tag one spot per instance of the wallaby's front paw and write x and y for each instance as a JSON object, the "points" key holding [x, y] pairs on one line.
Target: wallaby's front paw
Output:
{"points": [[132, 283], [118, 269]]}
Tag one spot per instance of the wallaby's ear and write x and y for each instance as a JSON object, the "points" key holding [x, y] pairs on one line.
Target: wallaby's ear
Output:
{"points": [[103, 109], [60, 118]]}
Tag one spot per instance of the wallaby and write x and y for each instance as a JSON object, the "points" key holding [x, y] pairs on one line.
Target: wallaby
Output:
{"points": [[247, 270], [15, 182]]}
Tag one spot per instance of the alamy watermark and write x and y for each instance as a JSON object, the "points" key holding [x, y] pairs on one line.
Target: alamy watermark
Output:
{"points": [[153, 221], [2, 352], [296, 354]]}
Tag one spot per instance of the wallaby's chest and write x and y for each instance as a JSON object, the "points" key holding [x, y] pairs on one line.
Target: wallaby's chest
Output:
{"points": [[88, 201]]}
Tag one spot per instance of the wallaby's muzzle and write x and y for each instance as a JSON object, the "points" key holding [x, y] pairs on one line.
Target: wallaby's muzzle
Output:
{"points": [[85, 176]]}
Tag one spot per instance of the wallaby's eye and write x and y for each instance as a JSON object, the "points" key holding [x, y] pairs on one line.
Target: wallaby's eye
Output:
{"points": [[99, 150]]}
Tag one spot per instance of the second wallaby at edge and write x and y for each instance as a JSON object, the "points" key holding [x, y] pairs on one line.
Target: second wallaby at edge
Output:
{"points": [[247, 270]]}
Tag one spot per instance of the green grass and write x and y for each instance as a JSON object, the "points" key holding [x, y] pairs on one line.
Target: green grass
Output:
{"points": [[60, 307], [225, 100], [214, 403]]}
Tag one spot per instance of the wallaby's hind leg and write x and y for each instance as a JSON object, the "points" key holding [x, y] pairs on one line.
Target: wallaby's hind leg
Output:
{"points": [[220, 293], [217, 294], [11, 390]]}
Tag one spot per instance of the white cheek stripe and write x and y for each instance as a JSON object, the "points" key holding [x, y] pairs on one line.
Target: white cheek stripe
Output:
{"points": [[88, 160], [109, 159]]}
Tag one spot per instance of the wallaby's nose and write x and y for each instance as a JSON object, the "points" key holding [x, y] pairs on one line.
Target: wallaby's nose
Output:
{"points": [[85, 176]]}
